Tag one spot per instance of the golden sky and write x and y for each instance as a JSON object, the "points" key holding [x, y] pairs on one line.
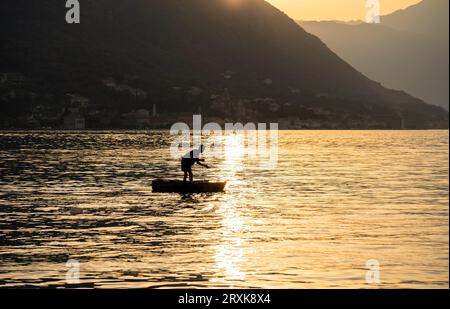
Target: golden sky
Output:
{"points": [[335, 9]]}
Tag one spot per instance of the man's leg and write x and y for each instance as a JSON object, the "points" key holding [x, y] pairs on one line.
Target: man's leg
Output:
{"points": [[191, 177], [185, 176]]}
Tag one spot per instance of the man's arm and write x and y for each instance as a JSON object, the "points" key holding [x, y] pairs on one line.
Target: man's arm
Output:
{"points": [[199, 162]]}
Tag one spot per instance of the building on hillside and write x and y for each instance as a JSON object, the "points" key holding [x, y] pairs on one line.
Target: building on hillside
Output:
{"points": [[294, 90], [274, 106], [110, 82], [76, 100], [137, 119], [135, 92], [74, 120], [221, 103], [14, 78]]}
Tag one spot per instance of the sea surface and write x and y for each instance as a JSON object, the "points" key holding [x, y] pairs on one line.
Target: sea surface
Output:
{"points": [[328, 209]]}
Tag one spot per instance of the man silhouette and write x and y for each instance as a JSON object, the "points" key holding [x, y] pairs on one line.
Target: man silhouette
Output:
{"points": [[189, 159]]}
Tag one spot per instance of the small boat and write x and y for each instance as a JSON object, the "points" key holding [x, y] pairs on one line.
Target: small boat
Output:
{"points": [[179, 186]]}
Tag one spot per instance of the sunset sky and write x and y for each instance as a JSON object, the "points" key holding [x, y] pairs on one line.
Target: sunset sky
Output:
{"points": [[335, 9]]}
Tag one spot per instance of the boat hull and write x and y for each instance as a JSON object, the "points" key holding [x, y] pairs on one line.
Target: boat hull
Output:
{"points": [[178, 186]]}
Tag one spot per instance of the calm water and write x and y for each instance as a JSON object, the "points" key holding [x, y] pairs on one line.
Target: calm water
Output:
{"points": [[336, 200]]}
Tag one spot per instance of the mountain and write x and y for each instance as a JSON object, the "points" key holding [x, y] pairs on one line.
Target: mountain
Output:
{"points": [[428, 17], [408, 50], [180, 54]]}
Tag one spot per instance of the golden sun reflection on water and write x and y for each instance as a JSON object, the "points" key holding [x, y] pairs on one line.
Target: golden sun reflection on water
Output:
{"points": [[234, 151], [232, 155], [229, 253]]}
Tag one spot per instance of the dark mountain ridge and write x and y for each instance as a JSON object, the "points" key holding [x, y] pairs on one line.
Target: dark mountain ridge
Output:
{"points": [[180, 52]]}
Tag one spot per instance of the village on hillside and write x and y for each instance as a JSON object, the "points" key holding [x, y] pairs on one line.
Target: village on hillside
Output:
{"points": [[23, 108]]}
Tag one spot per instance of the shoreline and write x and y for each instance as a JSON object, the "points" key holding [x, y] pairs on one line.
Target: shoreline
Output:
{"points": [[168, 130]]}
